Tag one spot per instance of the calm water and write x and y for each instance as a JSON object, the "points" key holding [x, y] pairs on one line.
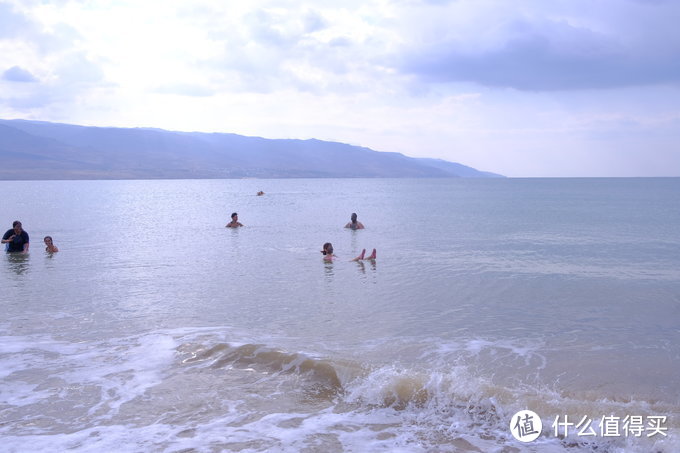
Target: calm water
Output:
{"points": [[157, 329]]}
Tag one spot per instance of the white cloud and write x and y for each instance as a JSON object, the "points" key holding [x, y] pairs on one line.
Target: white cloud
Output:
{"points": [[186, 90]]}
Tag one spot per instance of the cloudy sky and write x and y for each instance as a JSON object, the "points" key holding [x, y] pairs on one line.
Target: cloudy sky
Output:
{"points": [[522, 88]]}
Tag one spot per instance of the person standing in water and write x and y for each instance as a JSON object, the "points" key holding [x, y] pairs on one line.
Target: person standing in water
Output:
{"points": [[234, 221], [16, 239], [355, 224], [327, 252], [50, 247]]}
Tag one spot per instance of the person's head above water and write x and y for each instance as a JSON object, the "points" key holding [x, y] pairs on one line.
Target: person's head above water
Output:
{"points": [[50, 247], [354, 224], [234, 223], [327, 249]]}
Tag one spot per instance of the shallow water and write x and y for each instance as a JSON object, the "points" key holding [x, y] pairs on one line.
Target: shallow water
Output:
{"points": [[157, 329]]}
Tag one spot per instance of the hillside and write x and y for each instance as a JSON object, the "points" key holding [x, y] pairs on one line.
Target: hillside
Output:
{"points": [[42, 150]]}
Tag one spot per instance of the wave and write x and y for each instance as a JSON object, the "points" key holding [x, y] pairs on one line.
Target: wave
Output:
{"points": [[194, 389], [263, 358], [440, 404]]}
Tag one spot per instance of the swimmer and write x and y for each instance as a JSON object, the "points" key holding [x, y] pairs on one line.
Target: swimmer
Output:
{"points": [[234, 221], [327, 252], [354, 224], [260, 193], [51, 248], [329, 256], [363, 256]]}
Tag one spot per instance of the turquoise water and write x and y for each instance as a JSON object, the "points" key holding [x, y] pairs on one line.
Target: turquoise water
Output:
{"points": [[155, 328]]}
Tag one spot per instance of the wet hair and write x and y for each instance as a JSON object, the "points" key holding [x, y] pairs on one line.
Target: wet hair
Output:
{"points": [[233, 214], [47, 237], [326, 248], [15, 223], [354, 217]]}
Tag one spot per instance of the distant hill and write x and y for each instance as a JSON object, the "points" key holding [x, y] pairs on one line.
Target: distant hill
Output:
{"points": [[42, 150]]}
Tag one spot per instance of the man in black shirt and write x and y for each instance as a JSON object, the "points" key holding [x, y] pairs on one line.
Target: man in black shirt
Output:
{"points": [[16, 239]]}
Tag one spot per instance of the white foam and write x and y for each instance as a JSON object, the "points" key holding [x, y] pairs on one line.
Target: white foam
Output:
{"points": [[126, 374], [436, 407], [42, 371]]}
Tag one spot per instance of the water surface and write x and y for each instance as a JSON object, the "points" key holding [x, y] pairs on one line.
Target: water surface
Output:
{"points": [[156, 328]]}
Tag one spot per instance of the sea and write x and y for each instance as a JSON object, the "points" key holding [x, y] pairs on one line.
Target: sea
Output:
{"points": [[157, 329]]}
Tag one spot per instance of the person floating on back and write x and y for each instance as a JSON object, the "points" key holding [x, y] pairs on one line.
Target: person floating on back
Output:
{"points": [[51, 248], [328, 255], [16, 239], [234, 221], [354, 224]]}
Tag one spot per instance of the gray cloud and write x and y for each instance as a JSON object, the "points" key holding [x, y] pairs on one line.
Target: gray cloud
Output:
{"points": [[17, 74], [78, 69], [74, 77], [313, 21], [265, 29], [651, 2], [72, 73], [547, 55], [12, 23], [15, 25], [274, 49], [423, 2], [341, 41]]}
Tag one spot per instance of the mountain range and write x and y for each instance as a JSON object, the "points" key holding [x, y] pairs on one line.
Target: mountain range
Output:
{"points": [[42, 150]]}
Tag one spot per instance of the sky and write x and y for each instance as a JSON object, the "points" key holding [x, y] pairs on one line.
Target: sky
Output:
{"points": [[525, 88]]}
